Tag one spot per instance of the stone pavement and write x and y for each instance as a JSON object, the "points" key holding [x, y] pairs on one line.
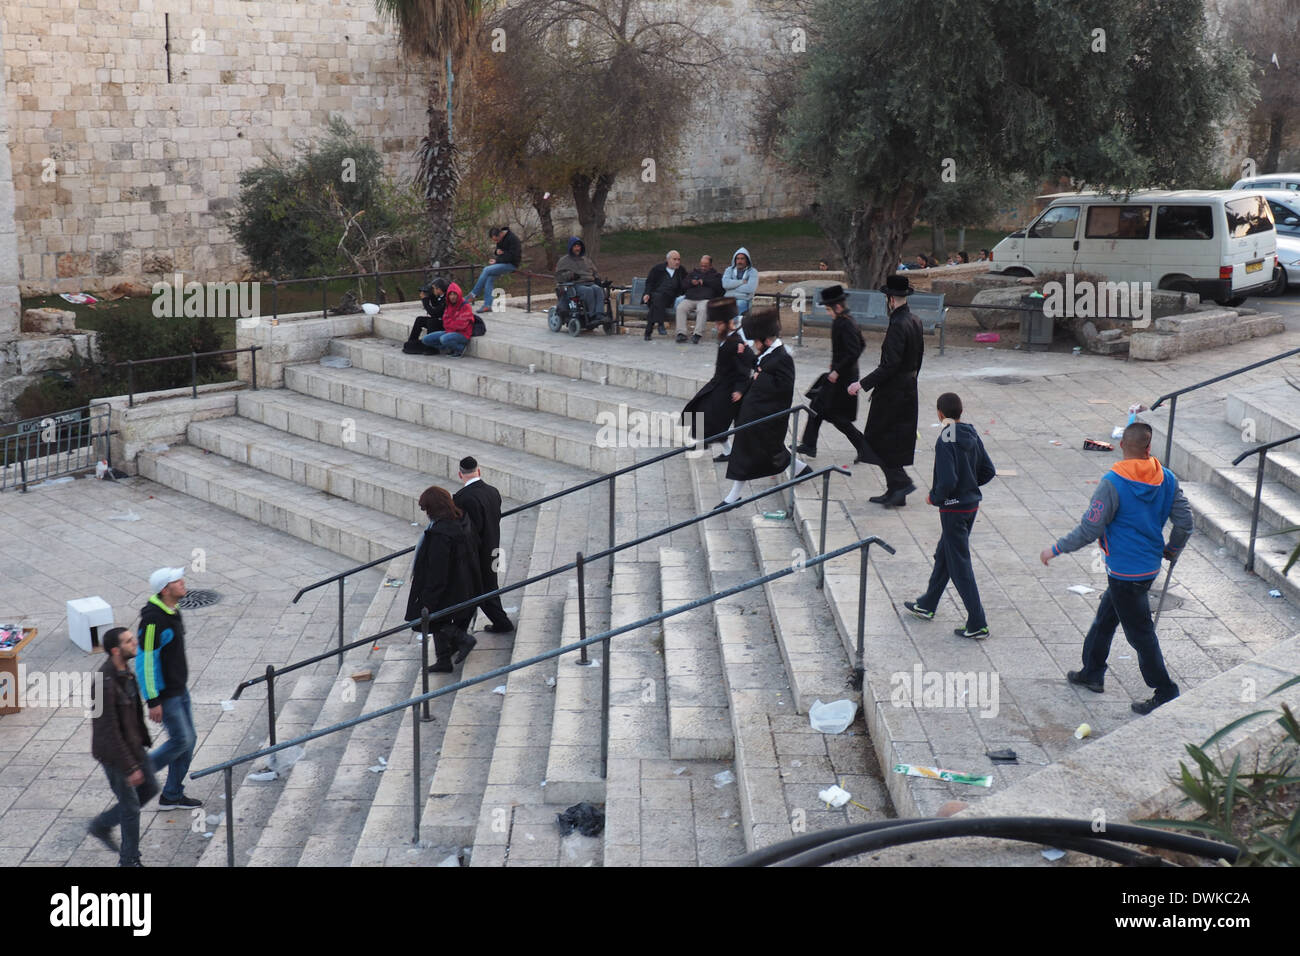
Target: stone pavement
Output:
{"points": [[62, 541]]}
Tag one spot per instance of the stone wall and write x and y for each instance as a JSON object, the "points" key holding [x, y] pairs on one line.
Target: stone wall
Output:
{"points": [[9, 306]]}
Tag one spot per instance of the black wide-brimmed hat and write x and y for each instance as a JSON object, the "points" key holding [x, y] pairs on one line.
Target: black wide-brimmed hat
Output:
{"points": [[831, 294], [896, 285], [762, 323], [722, 309]]}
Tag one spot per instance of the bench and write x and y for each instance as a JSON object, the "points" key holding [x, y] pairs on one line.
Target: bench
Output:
{"points": [[871, 310], [630, 304]]}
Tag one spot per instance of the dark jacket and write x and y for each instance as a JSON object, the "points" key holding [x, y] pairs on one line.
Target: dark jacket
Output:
{"points": [[961, 466], [891, 420], [118, 736], [573, 268], [445, 571], [482, 505], [731, 374], [161, 665], [761, 451], [431, 321], [510, 250], [669, 286], [712, 287], [846, 347]]}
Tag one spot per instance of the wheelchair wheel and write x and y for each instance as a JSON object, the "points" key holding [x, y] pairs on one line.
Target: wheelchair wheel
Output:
{"points": [[553, 319], [575, 327]]}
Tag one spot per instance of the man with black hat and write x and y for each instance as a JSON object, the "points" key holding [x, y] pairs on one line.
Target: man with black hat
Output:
{"points": [[760, 451], [889, 440], [832, 401], [714, 407], [120, 741], [482, 503]]}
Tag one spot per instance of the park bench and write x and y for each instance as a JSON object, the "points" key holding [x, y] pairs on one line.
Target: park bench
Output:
{"points": [[871, 310]]}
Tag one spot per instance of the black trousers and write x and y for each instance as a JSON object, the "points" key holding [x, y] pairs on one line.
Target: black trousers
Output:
{"points": [[952, 561], [492, 606], [895, 475], [1125, 603], [660, 304], [846, 427]]}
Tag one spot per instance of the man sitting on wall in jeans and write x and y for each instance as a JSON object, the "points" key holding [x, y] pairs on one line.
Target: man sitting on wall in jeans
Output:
{"points": [[505, 259]]}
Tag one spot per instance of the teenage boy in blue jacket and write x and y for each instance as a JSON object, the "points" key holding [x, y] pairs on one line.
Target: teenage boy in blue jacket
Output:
{"points": [[961, 466]]}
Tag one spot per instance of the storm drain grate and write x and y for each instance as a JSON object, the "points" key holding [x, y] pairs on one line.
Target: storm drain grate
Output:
{"points": [[198, 599], [1005, 379]]}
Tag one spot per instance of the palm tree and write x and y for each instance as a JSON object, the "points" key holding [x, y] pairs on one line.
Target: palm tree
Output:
{"points": [[440, 32]]}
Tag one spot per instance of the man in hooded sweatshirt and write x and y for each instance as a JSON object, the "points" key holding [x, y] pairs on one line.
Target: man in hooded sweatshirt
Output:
{"points": [[578, 269], [740, 280], [457, 323], [1127, 515]]}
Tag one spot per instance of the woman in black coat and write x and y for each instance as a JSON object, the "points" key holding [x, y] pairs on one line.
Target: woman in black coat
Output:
{"points": [[835, 404], [714, 407], [445, 573], [760, 452]]}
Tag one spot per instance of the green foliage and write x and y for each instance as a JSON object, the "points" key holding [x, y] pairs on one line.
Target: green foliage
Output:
{"points": [[1259, 812]]}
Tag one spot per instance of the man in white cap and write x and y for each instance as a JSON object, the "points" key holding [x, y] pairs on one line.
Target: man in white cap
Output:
{"points": [[163, 672]]}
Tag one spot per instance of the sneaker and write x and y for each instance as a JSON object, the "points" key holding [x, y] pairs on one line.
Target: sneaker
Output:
{"points": [[919, 611], [105, 836], [1076, 677], [695, 339], [184, 803], [681, 337], [1145, 707], [978, 634]]}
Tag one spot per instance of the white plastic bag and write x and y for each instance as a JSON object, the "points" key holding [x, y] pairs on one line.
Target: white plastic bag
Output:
{"points": [[832, 718]]}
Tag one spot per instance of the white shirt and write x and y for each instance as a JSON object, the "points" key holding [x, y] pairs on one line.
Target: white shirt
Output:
{"points": [[471, 481], [776, 344]]}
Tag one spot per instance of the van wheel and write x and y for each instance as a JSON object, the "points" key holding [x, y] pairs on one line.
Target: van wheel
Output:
{"points": [[1231, 303], [1177, 285], [1016, 271], [1279, 282]]}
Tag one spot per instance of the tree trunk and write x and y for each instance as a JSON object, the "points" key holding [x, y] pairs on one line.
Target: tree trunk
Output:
{"points": [[1275, 126], [870, 238], [441, 177], [589, 195], [961, 238], [939, 242], [542, 205]]}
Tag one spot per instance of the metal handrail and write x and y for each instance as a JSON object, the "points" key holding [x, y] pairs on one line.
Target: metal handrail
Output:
{"points": [[610, 477], [863, 546], [1173, 405], [194, 368], [578, 564], [1262, 451], [326, 280]]}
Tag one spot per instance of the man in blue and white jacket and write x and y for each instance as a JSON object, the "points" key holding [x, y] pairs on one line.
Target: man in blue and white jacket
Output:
{"points": [[1127, 516], [740, 280]]}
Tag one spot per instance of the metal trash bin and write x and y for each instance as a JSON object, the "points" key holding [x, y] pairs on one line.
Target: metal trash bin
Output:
{"points": [[1036, 327]]}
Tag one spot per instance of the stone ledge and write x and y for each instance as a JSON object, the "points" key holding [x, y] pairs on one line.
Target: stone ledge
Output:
{"points": [[163, 418]]}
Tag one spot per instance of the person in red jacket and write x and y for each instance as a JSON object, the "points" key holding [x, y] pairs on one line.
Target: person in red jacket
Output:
{"points": [[457, 324]]}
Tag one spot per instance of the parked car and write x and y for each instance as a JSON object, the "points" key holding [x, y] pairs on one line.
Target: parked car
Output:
{"points": [[1221, 244], [1286, 217], [1287, 181]]}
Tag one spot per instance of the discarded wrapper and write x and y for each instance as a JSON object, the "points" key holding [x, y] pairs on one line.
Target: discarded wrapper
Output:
{"points": [[364, 675], [1091, 444], [1083, 731], [835, 796], [952, 776], [1080, 589], [1052, 853]]}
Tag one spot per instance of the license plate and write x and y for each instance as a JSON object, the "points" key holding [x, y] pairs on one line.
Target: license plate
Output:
{"points": [[1254, 266]]}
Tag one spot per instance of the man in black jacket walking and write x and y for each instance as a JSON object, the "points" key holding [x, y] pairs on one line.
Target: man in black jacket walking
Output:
{"points": [[482, 503], [666, 281], [120, 742]]}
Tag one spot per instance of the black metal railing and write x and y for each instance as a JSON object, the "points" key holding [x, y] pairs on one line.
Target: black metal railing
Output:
{"points": [[194, 357], [829, 846], [579, 564], [51, 446], [1262, 452], [610, 477], [416, 703], [1173, 396], [325, 281]]}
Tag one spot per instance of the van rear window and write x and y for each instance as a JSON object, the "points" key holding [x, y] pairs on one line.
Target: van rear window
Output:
{"points": [[1184, 222], [1118, 222], [1248, 216]]}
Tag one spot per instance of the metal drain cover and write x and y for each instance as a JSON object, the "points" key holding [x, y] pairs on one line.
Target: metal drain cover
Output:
{"points": [[195, 599], [1005, 379]]}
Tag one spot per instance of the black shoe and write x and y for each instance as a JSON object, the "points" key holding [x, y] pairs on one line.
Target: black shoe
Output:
{"points": [[1076, 677], [898, 497], [105, 836], [505, 628], [978, 634], [134, 863], [878, 499], [723, 457], [721, 504], [647, 336], [695, 339], [919, 611], [440, 667], [662, 330], [184, 803], [806, 469], [808, 451], [681, 337], [463, 646], [1145, 707]]}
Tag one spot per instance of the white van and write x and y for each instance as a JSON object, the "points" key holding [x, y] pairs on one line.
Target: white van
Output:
{"points": [[1221, 244]]}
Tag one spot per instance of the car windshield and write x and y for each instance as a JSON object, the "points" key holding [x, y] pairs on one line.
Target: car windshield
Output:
{"points": [[1286, 217]]}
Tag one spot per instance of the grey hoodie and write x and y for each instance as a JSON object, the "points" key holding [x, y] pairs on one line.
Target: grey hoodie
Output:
{"points": [[741, 286]]}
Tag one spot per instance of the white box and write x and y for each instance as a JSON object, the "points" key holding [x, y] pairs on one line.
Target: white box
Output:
{"points": [[85, 617]]}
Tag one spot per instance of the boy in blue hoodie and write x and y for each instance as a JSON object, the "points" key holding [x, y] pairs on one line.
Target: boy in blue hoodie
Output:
{"points": [[961, 466]]}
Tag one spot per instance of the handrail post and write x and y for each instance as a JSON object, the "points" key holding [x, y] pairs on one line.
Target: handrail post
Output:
{"points": [[130, 383], [415, 774], [275, 301], [794, 445], [270, 703], [1169, 431], [341, 580], [324, 297], [230, 819], [582, 610], [424, 660], [821, 533], [1254, 516], [860, 667], [194, 375], [252, 354], [611, 527], [528, 294], [604, 708]]}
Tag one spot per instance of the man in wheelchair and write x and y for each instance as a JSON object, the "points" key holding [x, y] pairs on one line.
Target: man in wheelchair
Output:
{"points": [[577, 271]]}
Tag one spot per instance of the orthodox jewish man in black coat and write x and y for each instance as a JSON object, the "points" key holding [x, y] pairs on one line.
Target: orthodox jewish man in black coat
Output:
{"points": [[829, 396], [761, 452], [714, 407]]}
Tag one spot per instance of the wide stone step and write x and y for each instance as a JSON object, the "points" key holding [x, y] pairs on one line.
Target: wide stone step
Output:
{"points": [[699, 721], [1205, 444], [1220, 516], [390, 489], [1272, 409], [343, 527], [444, 409], [573, 759]]}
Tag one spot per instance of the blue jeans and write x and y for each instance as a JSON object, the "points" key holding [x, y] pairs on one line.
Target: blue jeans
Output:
{"points": [[483, 285], [178, 751], [742, 306], [1126, 603], [952, 561], [453, 343], [126, 812]]}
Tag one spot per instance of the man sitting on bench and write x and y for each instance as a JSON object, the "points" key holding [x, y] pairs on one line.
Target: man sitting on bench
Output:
{"points": [[666, 281]]}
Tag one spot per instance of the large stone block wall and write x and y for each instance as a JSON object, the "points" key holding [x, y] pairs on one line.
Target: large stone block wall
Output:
{"points": [[9, 304]]}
